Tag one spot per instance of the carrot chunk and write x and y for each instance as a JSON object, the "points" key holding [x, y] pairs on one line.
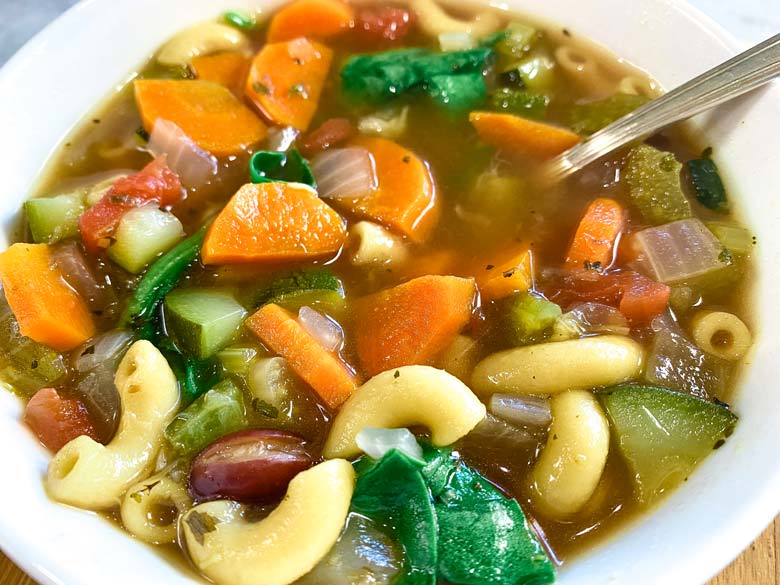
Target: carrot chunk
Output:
{"points": [[56, 420], [411, 323], [596, 236], [273, 221], [229, 69], [405, 200], [315, 19], [319, 368], [509, 273], [286, 80], [48, 310], [520, 137], [206, 111]]}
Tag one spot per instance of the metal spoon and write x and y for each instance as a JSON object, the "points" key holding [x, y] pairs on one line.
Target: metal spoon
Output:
{"points": [[735, 77]]}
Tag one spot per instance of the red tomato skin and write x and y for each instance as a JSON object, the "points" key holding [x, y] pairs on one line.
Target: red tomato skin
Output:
{"points": [[56, 420]]}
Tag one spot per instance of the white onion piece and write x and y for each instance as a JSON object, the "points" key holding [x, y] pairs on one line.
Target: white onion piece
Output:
{"points": [[344, 173], [324, 329], [456, 41], [678, 251], [493, 432], [69, 259], [193, 164], [106, 348], [281, 139], [377, 442], [531, 412], [589, 319]]}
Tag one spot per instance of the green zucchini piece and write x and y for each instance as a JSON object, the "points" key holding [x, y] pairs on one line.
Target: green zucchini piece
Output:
{"points": [[266, 166], [593, 116], [521, 102], [52, 219], [536, 72], [663, 434], [733, 237], [529, 317], [219, 412], [203, 321], [143, 234], [329, 302], [392, 493], [484, 538], [707, 184], [654, 187], [299, 282]]}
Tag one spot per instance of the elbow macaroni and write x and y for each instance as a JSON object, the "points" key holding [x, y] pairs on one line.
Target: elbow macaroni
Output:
{"points": [[284, 546], [549, 368], [570, 466], [435, 21], [722, 334], [201, 39], [89, 475], [150, 509]]}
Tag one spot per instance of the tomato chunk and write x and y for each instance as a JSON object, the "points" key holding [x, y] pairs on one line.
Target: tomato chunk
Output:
{"points": [[56, 420], [387, 23]]}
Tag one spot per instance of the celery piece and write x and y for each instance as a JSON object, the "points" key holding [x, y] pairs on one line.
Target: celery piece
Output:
{"points": [[516, 41], [266, 166], [529, 316], [203, 321], [733, 237], [593, 116], [663, 434], [536, 72], [143, 234], [521, 102], [653, 178], [52, 219], [707, 184], [219, 412], [33, 361], [236, 359]]}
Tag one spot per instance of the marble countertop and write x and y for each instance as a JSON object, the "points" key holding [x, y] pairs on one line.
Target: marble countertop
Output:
{"points": [[749, 20]]}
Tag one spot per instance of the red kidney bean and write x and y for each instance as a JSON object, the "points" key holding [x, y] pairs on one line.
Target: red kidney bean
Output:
{"points": [[252, 466]]}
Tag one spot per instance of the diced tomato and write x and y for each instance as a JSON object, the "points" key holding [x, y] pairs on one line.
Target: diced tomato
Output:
{"points": [[155, 183], [638, 297], [56, 420], [387, 23], [331, 133]]}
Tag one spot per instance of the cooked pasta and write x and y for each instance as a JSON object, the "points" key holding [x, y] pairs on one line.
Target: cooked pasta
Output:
{"points": [[722, 334], [150, 509]]}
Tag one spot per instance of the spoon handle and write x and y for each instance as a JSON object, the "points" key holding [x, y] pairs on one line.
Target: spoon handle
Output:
{"points": [[737, 76]]}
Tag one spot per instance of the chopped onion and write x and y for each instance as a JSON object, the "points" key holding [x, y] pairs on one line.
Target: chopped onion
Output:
{"points": [[281, 139], [456, 41], [530, 412], [376, 442], [100, 396], [493, 432], [106, 348], [270, 381], [589, 319], [678, 251], [193, 164], [323, 328], [388, 123], [344, 173], [79, 276]]}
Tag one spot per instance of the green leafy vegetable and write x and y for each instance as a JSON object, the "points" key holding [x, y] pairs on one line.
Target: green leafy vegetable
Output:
{"points": [[653, 178], [707, 184], [593, 116], [266, 166], [200, 524], [529, 316], [520, 101], [457, 92], [663, 434]]}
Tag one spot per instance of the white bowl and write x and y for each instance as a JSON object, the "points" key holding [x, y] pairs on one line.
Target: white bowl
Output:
{"points": [[57, 78]]}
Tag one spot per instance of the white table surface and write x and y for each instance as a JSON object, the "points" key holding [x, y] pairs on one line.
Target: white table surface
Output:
{"points": [[749, 20]]}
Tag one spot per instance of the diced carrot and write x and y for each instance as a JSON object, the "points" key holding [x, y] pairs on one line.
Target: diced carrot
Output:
{"points": [[206, 111], [521, 137], [56, 420], [331, 133], [597, 234], [405, 200], [273, 221], [507, 274], [47, 309], [286, 80], [411, 323], [319, 368], [229, 69], [314, 19]]}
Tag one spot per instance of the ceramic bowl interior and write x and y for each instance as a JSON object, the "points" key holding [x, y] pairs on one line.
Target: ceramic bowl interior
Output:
{"points": [[93, 49]]}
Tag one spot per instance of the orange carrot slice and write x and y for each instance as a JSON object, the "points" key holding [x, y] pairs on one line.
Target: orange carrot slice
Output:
{"points": [[596, 236], [229, 69], [411, 323], [520, 137], [207, 112], [271, 222], [509, 273], [315, 19], [48, 310], [286, 80], [405, 200], [56, 420], [319, 368]]}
